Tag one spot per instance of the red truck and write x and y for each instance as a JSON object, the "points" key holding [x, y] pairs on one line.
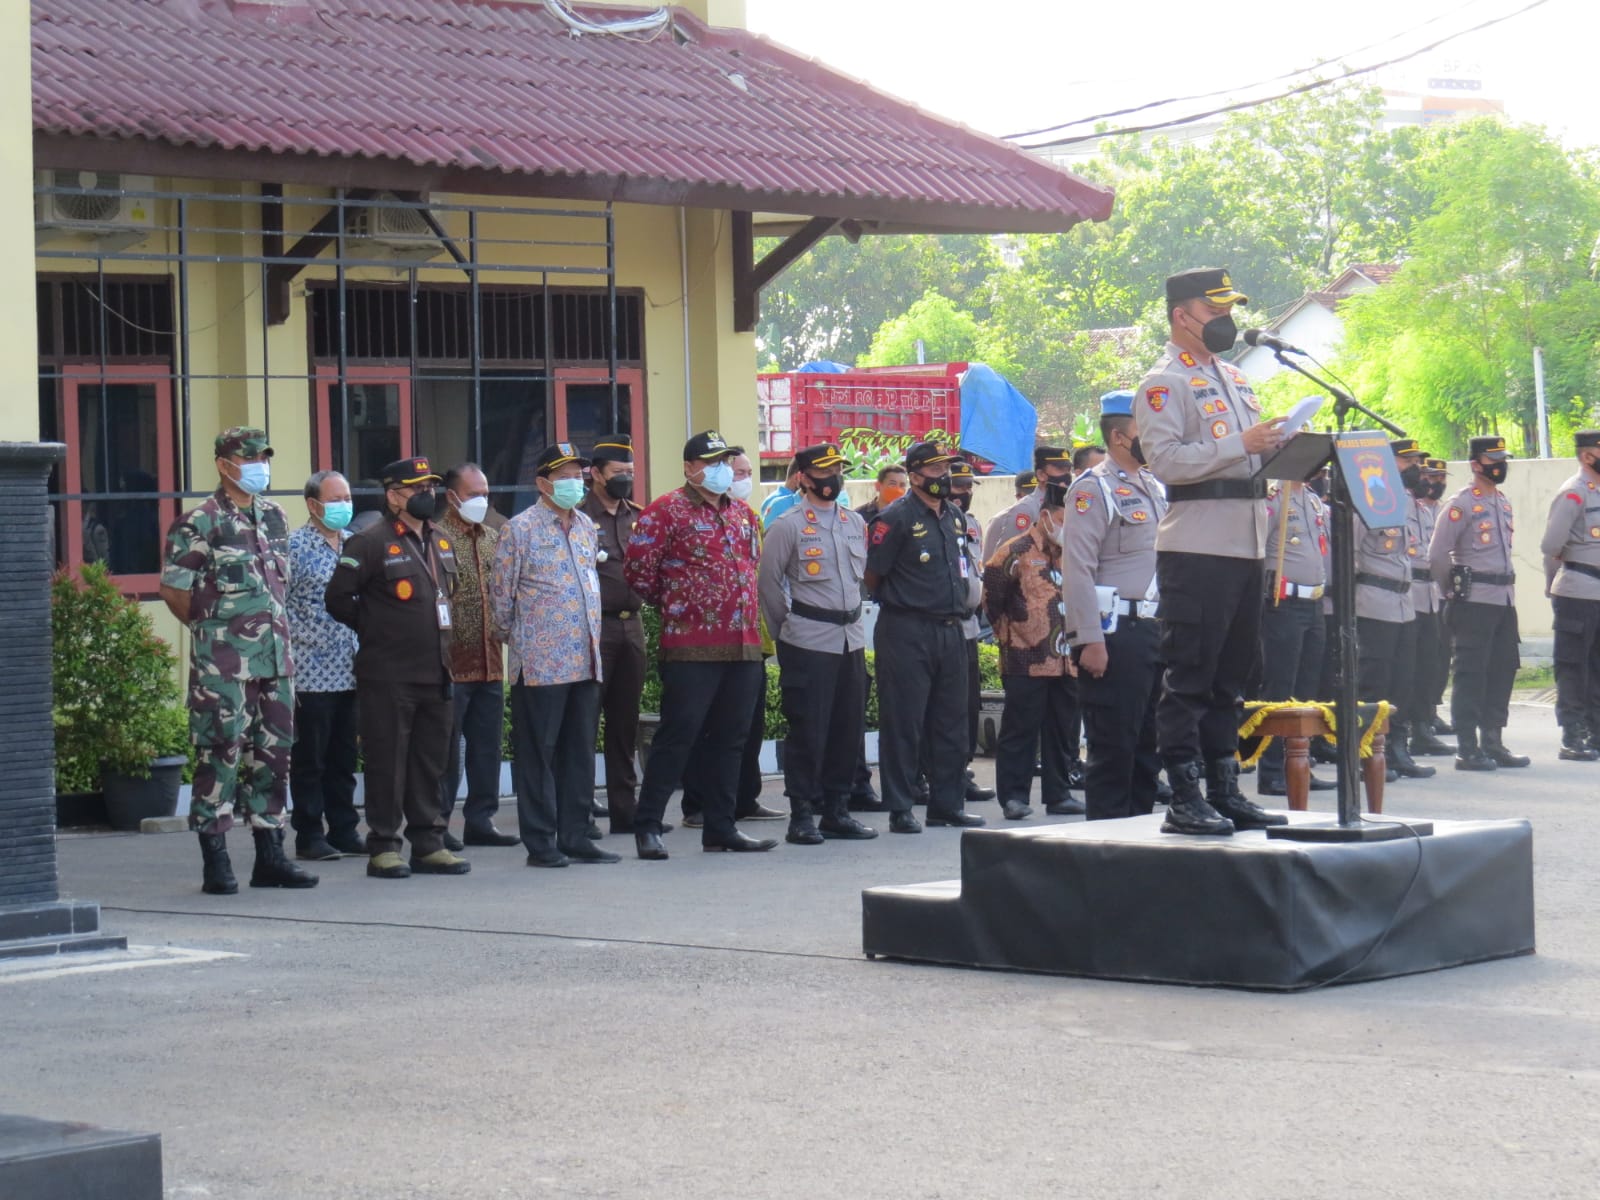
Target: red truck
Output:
{"points": [[871, 413]]}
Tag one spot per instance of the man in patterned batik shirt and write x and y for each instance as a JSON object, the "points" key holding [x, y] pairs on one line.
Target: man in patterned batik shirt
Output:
{"points": [[544, 603]]}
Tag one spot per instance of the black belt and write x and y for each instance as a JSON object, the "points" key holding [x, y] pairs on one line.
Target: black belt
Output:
{"points": [[1421, 575], [1496, 580], [829, 616], [1218, 489], [935, 618], [1583, 569], [1381, 581], [622, 614]]}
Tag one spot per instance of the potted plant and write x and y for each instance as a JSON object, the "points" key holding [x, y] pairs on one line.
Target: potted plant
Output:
{"points": [[115, 703]]}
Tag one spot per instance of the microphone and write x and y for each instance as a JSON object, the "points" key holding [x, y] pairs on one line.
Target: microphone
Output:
{"points": [[1260, 337]]}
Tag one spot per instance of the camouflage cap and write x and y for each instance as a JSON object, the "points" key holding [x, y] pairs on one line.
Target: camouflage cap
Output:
{"points": [[243, 439]]}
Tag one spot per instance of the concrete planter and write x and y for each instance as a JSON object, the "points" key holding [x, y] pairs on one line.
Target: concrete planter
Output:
{"points": [[990, 708], [129, 801]]}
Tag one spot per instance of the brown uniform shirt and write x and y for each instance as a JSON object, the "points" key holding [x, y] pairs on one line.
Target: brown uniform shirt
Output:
{"points": [[387, 587], [613, 530]]}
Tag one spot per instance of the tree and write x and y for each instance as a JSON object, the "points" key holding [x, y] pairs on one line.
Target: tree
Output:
{"points": [[948, 334]]}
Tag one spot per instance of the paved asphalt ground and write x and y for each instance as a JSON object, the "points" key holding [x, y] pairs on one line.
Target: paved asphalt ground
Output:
{"points": [[707, 1027]]}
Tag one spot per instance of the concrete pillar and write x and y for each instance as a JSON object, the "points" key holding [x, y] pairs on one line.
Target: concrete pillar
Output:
{"points": [[19, 337]]}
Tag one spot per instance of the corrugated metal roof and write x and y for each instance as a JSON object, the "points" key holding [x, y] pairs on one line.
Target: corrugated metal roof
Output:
{"points": [[472, 86]]}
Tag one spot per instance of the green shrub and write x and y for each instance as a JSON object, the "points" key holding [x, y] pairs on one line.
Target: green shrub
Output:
{"points": [[115, 704]]}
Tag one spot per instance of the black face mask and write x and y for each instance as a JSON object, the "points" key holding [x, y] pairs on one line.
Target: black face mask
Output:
{"points": [[422, 505], [1319, 485], [827, 488], [962, 500], [1137, 451], [1055, 495], [1436, 490], [620, 487], [1219, 334], [936, 487], [1411, 476], [1495, 472]]}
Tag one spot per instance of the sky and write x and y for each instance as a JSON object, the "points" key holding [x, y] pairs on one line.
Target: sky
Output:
{"points": [[1022, 64]]}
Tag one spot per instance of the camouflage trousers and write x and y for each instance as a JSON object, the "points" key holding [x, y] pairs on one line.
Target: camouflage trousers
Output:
{"points": [[242, 731]]}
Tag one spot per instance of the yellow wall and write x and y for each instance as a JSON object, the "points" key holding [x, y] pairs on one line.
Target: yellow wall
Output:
{"points": [[19, 416]]}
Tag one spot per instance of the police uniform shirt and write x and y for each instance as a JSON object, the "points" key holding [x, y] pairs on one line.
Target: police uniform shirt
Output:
{"points": [[1192, 420], [384, 587], [1301, 535], [1019, 518], [814, 555], [1386, 554], [1572, 535], [1108, 538], [971, 629], [1474, 530], [920, 556], [1424, 515]]}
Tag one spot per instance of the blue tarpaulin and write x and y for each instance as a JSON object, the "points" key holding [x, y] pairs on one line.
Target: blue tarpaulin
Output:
{"points": [[823, 367], [997, 421]]}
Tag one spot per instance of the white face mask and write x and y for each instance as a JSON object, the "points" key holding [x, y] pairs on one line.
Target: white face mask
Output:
{"points": [[740, 489], [474, 510], [717, 478]]}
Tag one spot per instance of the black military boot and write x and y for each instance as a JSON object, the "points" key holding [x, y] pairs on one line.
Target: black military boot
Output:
{"points": [[1496, 749], [1468, 756], [1425, 742], [1187, 811], [272, 869], [1400, 758], [217, 874], [1575, 746], [1223, 794], [802, 826]]}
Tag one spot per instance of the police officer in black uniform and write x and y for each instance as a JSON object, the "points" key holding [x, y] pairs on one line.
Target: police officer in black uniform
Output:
{"points": [[918, 570], [392, 585]]}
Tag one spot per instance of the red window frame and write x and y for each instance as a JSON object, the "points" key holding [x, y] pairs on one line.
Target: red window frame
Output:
{"points": [[327, 378], [631, 378]]}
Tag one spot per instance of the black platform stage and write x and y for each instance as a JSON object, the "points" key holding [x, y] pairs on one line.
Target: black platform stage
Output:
{"points": [[1122, 900], [63, 1160]]}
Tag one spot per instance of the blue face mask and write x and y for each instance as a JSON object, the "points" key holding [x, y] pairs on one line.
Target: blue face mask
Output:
{"points": [[336, 514], [254, 477], [567, 493], [718, 478]]}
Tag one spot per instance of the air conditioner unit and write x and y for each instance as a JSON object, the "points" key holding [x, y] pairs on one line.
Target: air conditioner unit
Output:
{"points": [[93, 210], [394, 229]]}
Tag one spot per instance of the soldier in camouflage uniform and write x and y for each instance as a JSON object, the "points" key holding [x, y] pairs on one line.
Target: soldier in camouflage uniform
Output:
{"points": [[225, 575]]}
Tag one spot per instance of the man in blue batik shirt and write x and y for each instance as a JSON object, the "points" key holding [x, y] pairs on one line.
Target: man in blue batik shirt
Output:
{"points": [[322, 765]]}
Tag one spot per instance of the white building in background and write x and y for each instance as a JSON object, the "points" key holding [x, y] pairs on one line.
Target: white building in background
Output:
{"points": [[1312, 322]]}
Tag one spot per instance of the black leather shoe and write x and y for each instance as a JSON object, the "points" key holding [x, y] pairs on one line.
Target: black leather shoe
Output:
{"points": [[1391, 776], [352, 844], [977, 794], [1267, 785], [1426, 744], [1323, 785], [598, 809], [1322, 751], [844, 827], [452, 843], [738, 843], [867, 801], [694, 821], [760, 813], [648, 846], [548, 858], [958, 820], [1225, 798], [489, 836], [1475, 760], [1579, 753], [904, 822], [1070, 807], [803, 832], [1496, 749], [1442, 727], [587, 852], [592, 832], [1016, 810], [1194, 816], [1411, 769], [315, 849]]}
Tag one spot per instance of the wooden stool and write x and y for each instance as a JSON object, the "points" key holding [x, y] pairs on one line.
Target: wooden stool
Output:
{"points": [[1297, 726]]}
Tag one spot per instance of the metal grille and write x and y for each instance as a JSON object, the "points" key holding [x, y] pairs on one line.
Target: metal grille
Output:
{"points": [[105, 317]]}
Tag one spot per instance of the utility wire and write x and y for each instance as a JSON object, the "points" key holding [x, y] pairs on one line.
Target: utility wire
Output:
{"points": [[1284, 95], [1123, 112]]}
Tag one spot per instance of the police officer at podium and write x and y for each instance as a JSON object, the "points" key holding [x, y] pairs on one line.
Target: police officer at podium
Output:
{"points": [[1571, 549], [1200, 427], [1471, 562]]}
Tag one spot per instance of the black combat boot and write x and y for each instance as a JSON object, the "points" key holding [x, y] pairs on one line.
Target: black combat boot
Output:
{"points": [[1468, 756], [1187, 811], [1496, 749], [217, 874], [1223, 794], [1575, 746], [1400, 759], [802, 825], [272, 869], [1425, 742]]}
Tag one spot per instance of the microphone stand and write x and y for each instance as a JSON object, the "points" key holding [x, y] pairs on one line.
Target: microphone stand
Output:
{"points": [[1350, 826]]}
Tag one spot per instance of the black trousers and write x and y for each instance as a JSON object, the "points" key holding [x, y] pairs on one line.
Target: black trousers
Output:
{"points": [[1119, 714], [705, 715], [1428, 670], [622, 663], [861, 781], [1034, 723], [924, 679], [1433, 696], [823, 701], [480, 723], [1210, 639], [322, 764], [1577, 654], [748, 794], [1386, 664], [553, 727], [1486, 662], [1293, 637], [405, 740]]}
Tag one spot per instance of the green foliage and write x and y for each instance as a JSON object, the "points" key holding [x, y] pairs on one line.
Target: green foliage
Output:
{"points": [[114, 704], [948, 334]]}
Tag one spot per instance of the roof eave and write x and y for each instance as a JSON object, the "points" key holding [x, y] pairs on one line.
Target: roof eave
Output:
{"points": [[149, 157]]}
